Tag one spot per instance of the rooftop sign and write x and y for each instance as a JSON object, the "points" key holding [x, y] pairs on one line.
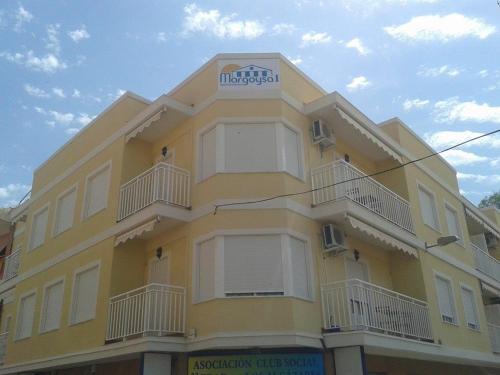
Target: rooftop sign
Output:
{"points": [[242, 74]]}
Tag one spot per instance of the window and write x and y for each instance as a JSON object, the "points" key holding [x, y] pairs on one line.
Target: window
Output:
{"points": [[253, 265], [445, 300], [51, 308], [65, 209], [470, 310], [428, 208], [25, 316], [208, 154], [250, 148], [206, 268], [96, 194], [39, 227], [85, 289], [257, 147], [452, 221], [243, 265]]}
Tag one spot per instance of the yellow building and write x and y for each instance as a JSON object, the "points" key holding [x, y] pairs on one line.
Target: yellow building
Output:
{"points": [[122, 264]]}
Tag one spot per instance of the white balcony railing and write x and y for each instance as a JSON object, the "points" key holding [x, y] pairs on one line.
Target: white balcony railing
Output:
{"points": [[353, 184], [3, 346], [494, 331], [354, 305], [161, 183], [486, 263], [11, 265], [152, 310]]}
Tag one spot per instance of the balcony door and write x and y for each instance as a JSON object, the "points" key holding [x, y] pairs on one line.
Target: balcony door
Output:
{"points": [[358, 293], [159, 269]]}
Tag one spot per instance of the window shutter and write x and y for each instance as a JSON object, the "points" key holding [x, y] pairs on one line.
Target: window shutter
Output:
{"points": [[452, 221], [65, 211], [208, 153], [97, 190], [206, 269], [85, 295], [39, 228], [253, 264], [300, 268], [250, 147], [292, 152], [445, 299], [470, 308], [428, 208], [26, 316], [52, 305]]}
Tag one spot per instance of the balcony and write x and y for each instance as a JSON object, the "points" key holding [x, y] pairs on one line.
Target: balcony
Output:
{"points": [[486, 263], [355, 305], [153, 310], [494, 331], [3, 345], [11, 265], [340, 181]]}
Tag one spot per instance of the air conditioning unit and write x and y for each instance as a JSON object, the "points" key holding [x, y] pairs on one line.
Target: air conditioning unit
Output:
{"points": [[322, 134], [491, 240], [333, 239]]}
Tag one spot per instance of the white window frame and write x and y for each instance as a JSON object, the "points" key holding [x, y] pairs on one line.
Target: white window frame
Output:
{"points": [[453, 300], [450, 207], [85, 203], [279, 124], [46, 206], [16, 329], [43, 307], [423, 187], [285, 234], [74, 187], [476, 311], [71, 318]]}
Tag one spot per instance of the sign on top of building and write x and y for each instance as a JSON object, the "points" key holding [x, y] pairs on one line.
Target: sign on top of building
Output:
{"points": [[254, 74]]}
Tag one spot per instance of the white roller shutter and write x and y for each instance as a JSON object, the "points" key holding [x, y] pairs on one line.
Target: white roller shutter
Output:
{"points": [[206, 268], [208, 154], [470, 308], [250, 148], [52, 304], [97, 192], [292, 152], [445, 299], [65, 212], [39, 228], [26, 316], [428, 208], [300, 268], [85, 295], [253, 265], [452, 221]]}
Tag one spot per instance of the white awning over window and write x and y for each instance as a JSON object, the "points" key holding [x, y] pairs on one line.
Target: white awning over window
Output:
{"points": [[148, 122], [137, 231], [381, 237], [481, 222]]}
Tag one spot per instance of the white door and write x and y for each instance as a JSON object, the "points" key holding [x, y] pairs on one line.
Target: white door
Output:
{"points": [[358, 293], [158, 270]]}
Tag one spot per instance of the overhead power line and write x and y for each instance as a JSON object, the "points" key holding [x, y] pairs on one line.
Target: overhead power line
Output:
{"points": [[217, 206]]}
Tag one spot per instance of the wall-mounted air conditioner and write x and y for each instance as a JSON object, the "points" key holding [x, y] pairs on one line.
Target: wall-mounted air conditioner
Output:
{"points": [[322, 134], [333, 240]]}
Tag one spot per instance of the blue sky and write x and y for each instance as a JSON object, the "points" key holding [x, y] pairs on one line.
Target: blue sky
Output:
{"points": [[433, 63]]}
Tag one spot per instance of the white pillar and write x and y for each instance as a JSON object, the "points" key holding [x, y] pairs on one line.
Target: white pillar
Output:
{"points": [[349, 361], [156, 364]]}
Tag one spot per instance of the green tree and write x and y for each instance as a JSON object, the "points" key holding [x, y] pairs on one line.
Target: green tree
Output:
{"points": [[491, 200]]}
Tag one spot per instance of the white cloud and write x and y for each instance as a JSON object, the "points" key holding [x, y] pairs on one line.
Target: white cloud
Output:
{"points": [[47, 64], [483, 73], [35, 91], [315, 38], [452, 110], [358, 83], [11, 194], [17, 57], [52, 41], [491, 179], [83, 119], [415, 103], [296, 61], [284, 28], [40, 110], [161, 37], [62, 118], [22, 16], [79, 34], [72, 131], [440, 28], [212, 22], [437, 71], [59, 92], [357, 44], [443, 139], [459, 157], [76, 93], [120, 92]]}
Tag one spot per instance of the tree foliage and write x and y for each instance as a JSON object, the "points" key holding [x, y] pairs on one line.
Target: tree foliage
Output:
{"points": [[491, 200]]}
